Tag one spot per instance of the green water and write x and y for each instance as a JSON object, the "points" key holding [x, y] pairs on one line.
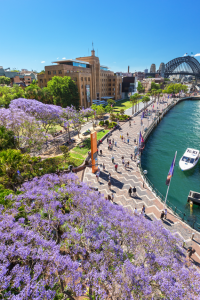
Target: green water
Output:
{"points": [[178, 130]]}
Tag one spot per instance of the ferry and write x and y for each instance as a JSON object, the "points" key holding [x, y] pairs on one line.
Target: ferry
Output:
{"points": [[189, 159]]}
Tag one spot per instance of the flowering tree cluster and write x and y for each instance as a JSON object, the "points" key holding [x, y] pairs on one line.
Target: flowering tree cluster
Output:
{"points": [[62, 238]]}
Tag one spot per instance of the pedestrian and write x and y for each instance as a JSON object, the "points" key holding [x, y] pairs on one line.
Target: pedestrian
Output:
{"points": [[128, 164], [134, 191], [109, 185], [127, 134], [165, 212], [125, 166], [122, 137], [113, 141], [143, 209], [109, 198], [116, 166], [131, 156], [97, 176], [127, 141], [112, 197], [162, 215], [113, 159], [97, 151], [104, 167], [138, 162], [101, 152], [135, 211], [115, 144], [109, 176], [129, 123], [190, 251], [130, 191]]}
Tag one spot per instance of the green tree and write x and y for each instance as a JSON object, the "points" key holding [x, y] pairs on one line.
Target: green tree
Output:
{"points": [[4, 80], [100, 110], [145, 100], [9, 93], [111, 102], [155, 86], [109, 109], [66, 154], [64, 91], [7, 140], [11, 163], [122, 111], [140, 88]]}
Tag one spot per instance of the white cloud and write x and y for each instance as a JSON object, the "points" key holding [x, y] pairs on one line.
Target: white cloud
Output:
{"points": [[185, 54], [57, 57], [42, 62], [64, 58], [198, 54]]}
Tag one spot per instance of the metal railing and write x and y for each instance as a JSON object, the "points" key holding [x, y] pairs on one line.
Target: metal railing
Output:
{"points": [[191, 220]]}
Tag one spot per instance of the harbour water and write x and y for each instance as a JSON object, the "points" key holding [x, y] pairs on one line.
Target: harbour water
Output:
{"points": [[178, 130]]}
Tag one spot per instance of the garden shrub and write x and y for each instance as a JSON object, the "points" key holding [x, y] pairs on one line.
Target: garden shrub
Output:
{"points": [[101, 123]]}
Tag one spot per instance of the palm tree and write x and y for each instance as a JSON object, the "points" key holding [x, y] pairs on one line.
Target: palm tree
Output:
{"points": [[134, 101]]}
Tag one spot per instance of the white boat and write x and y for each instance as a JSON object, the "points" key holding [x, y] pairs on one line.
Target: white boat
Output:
{"points": [[189, 159]]}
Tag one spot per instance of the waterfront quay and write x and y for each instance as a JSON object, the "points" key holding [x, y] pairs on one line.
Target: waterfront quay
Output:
{"points": [[124, 178]]}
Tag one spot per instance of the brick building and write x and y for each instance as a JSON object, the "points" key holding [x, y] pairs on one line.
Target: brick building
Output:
{"points": [[94, 81]]}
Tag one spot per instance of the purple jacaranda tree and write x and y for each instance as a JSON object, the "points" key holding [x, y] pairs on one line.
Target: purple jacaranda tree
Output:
{"points": [[78, 119], [120, 256], [47, 114], [28, 131]]}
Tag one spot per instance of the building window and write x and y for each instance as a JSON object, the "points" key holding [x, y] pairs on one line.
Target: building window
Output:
{"points": [[109, 79], [54, 72], [109, 84], [49, 72], [82, 86], [113, 79], [85, 78], [82, 93], [88, 78], [109, 89], [60, 72], [113, 84], [113, 89], [67, 72], [81, 78]]}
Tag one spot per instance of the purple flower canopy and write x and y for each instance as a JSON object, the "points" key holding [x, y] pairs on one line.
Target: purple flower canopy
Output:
{"points": [[63, 235]]}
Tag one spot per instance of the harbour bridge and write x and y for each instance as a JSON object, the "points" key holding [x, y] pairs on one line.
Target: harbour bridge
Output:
{"points": [[186, 65]]}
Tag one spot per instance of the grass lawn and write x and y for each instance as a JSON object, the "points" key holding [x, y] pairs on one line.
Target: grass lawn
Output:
{"points": [[123, 104], [81, 153]]}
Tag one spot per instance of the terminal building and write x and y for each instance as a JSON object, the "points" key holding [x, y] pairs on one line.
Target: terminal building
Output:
{"points": [[94, 81]]}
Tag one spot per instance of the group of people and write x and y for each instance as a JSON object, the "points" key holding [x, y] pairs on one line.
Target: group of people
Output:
{"points": [[123, 138], [163, 214], [132, 190], [142, 212]]}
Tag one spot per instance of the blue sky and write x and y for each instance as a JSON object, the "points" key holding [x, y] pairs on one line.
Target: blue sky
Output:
{"points": [[134, 33]]}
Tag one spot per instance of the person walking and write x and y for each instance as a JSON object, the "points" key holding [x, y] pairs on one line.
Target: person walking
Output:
{"points": [[109, 176], [165, 212], [125, 166], [134, 191], [109, 185], [128, 164], [104, 167], [190, 252], [97, 176], [100, 152], [130, 191], [113, 159], [127, 141], [123, 161], [113, 141], [143, 209], [131, 156], [109, 197], [135, 211], [162, 215], [127, 135], [116, 166], [112, 197], [122, 137], [115, 144], [129, 123], [138, 162]]}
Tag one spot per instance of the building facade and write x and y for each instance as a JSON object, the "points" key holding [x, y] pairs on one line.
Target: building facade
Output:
{"points": [[19, 78], [94, 81], [153, 68]]}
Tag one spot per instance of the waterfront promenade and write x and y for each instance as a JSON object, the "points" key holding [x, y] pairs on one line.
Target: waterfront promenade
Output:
{"points": [[123, 179]]}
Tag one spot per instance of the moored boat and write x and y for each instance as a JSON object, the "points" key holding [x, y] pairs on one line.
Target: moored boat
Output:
{"points": [[189, 159]]}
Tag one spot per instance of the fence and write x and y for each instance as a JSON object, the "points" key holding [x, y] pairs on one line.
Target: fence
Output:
{"points": [[191, 220]]}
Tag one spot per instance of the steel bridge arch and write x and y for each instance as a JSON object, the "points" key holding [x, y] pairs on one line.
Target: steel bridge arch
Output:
{"points": [[174, 63]]}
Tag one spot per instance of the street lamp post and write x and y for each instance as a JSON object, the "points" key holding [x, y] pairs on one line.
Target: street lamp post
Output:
{"points": [[145, 173]]}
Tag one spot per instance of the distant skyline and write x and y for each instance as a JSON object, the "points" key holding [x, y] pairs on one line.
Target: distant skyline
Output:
{"points": [[129, 33]]}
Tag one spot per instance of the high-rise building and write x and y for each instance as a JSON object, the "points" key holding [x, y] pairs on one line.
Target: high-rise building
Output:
{"points": [[146, 71], [162, 68], [153, 68], [94, 81]]}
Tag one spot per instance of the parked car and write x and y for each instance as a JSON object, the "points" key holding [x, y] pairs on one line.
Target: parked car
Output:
{"points": [[86, 132]]}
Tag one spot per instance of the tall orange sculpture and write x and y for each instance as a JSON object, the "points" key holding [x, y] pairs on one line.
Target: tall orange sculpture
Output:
{"points": [[94, 154]]}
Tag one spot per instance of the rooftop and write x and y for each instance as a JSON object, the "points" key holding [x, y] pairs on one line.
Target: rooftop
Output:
{"points": [[71, 60]]}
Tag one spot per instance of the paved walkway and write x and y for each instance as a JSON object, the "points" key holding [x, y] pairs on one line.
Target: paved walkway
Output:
{"points": [[123, 179]]}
